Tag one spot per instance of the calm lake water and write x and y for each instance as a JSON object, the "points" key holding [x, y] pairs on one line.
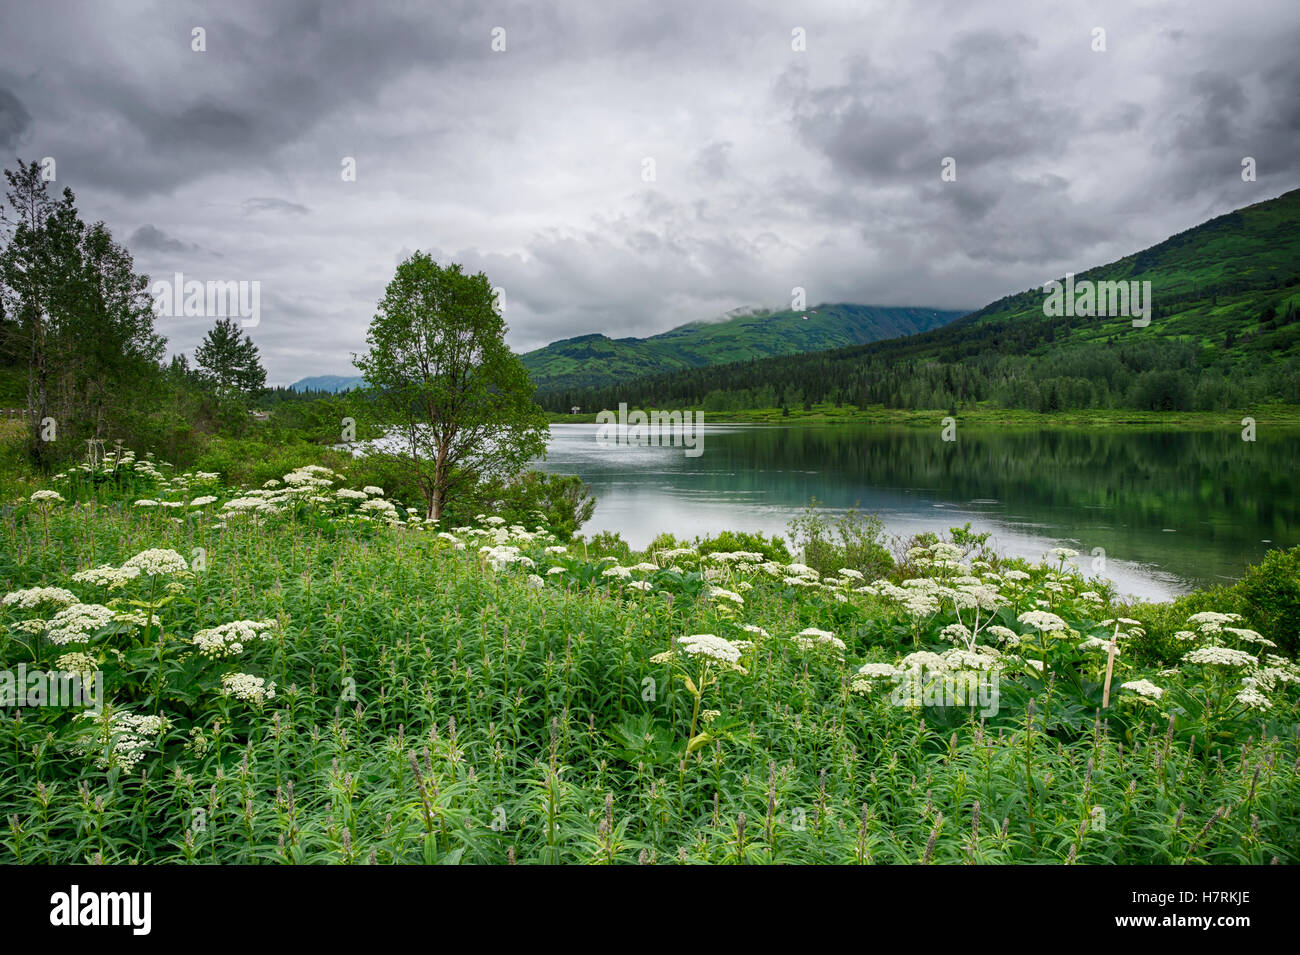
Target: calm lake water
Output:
{"points": [[1172, 510]]}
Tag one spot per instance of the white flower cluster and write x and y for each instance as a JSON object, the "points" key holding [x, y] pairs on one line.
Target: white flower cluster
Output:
{"points": [[228, 639], [1143, 688], [811, 638], [710, 646], [106, 576], [158, 562], [76, 662], [718, 593], [122, 738], [249, 688], [506, 555], [35, 597], [1042, 621], [77, 623], [1220, 656]]}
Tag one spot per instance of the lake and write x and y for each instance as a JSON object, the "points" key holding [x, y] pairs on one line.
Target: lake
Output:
{"points": [[1171, 510]]}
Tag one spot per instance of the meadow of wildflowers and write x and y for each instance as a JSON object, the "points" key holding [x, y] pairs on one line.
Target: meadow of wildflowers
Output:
{"points": [[307, 672]]}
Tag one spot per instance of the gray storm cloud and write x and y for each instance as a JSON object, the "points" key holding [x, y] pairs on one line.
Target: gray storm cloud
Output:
{"points": [[774, 167]]}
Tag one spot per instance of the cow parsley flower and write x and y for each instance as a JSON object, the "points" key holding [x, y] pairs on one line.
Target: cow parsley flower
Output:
{"points": [[1252, 698], [1221, 656], [1042, 621], [77, 623], [228, 639], [106, 576], [877, 671], [1143, 688], [923, 660], [77, 662], [249, 688], [158, 562], [1249, 636], [1004, 634], [122, 738], [955, 633], [811, 638], [718, 593], [34, 597], [710, 646]]}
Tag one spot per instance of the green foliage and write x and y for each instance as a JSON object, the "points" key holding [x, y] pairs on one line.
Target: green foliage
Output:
{"points": [[433, 704], [439, 371], [560, 503], [76, 316], [772, 548], [228, 362], [852, 539], [1270, 594]]}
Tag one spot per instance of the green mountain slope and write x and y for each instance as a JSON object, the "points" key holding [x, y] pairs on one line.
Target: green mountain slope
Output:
{"points": [[1224, 333], [591, 360], [594, 360]]}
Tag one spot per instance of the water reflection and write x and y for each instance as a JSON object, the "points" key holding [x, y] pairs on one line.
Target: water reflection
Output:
{"points": [[1171, 510]]}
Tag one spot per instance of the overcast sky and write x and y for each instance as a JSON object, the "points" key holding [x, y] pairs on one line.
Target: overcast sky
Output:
{"points": [[773, 167]]}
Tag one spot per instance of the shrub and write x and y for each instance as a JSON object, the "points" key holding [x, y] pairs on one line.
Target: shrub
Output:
{"points": [[1270, 592], [853, 540], [772, 548], [1158, 646], [607, 544], [561, 503]]}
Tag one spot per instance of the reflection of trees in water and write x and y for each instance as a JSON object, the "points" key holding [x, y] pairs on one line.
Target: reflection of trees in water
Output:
{"points": [[1118, 490]]}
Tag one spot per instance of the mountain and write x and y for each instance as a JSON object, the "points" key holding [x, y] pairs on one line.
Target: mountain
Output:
{"points": [[331, 383], [1224, 333], [742, 333], [746, 333]]}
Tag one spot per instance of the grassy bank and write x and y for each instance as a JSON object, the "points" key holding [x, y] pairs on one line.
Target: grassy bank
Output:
{"points": [[296, 674]]}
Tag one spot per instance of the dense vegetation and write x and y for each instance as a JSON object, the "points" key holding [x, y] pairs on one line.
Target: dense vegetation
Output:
{"points": [[490, 695], [1224, 334]]}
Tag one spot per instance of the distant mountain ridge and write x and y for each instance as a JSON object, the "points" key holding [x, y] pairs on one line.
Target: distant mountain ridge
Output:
{"points": [[330, 383], [741, 334]]}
